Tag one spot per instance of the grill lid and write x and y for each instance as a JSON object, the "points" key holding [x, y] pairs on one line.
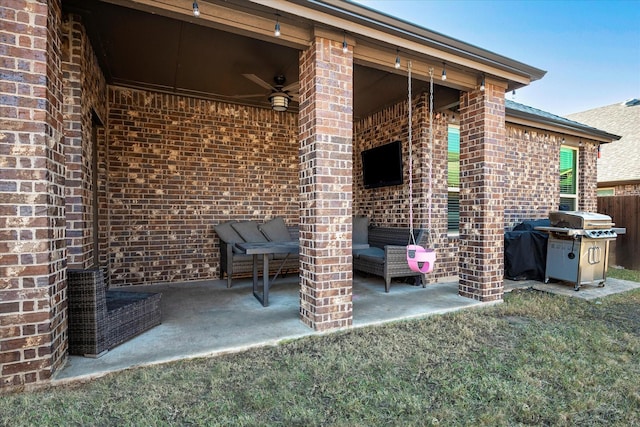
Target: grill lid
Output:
{"points": [[580, 220]]}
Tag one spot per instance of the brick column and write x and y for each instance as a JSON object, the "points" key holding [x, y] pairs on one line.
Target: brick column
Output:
{"points": [[588, 178], [326, 132], [77, 152], [84, 102], [33, 322], [482, 154]]}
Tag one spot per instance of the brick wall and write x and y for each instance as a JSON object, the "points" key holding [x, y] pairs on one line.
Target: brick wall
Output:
{"points": [[177, 166], [532, 167], [326, 132], [627, 190], [389, 206], [84, 102], [32, 250], [532, 164]]}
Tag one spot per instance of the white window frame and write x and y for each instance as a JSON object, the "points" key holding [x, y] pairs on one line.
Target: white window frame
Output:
{"points": [[573, 197]]}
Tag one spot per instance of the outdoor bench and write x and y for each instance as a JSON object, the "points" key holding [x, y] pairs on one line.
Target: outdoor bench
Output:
{"points": [[235, 262], [386, 255]]}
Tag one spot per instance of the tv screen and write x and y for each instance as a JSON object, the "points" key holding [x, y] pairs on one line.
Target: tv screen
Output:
{"points": [[382, 166]]}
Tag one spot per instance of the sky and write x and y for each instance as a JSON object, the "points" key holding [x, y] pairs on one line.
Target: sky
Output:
{"points": [[589, 48]]}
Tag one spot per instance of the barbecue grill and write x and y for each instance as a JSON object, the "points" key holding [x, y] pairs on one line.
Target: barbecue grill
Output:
{"points": [[578, 247]]}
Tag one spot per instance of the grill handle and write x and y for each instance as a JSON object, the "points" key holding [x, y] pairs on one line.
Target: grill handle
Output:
{"points": [[601, 224]]}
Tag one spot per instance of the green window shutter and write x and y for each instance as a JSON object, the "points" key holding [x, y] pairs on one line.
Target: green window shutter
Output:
{"points": [[453, 179], [568, 171], [453, 157], [453, 216]]}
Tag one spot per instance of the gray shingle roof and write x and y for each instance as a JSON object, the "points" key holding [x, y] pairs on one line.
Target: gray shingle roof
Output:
{"points": [[520, 110], [620, 160]]}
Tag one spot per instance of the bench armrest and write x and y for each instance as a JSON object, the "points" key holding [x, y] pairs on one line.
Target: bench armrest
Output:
{"points": [[395, 251]]}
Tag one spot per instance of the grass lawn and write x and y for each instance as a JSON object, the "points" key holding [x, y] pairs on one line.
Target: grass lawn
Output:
{"points": [[620, 273], [537, 359]]}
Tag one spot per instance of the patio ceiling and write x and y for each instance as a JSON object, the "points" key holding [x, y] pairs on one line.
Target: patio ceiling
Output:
{"points": [[164, 51]]}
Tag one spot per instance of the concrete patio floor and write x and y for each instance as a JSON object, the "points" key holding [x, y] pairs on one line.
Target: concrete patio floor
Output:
{"points": [[205, 318], [202, 319]]}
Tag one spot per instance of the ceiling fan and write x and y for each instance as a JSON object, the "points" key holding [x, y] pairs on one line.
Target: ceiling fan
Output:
{"points": [[279, 95]]}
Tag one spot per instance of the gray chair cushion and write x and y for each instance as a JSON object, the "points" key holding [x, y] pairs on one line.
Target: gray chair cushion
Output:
{"points": [[275, 230], [249, 231], [227, 234], [360, 229], [371, 252]]}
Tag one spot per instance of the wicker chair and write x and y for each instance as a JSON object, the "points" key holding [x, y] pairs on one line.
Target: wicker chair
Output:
{"points": [[387, 255], [100, 319]]}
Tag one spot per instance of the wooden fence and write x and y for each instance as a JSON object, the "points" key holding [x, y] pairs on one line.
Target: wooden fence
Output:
{"points": [[625, 212]]}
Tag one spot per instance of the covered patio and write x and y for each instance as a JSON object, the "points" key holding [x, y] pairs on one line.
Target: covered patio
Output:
{"points": [[219, 320], [151, 125]]}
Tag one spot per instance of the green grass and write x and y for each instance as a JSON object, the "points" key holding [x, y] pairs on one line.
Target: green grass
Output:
{"points": [[537, 359], [620, 273]]}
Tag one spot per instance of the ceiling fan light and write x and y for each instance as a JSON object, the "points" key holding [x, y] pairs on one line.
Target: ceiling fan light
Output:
{"points": [[279, 101]]}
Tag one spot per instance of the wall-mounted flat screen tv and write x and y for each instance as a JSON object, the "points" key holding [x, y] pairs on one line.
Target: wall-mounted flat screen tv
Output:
{"points": [[382, 166]]}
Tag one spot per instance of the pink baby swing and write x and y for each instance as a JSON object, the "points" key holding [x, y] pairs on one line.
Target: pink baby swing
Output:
{"points": [[419, 259]]}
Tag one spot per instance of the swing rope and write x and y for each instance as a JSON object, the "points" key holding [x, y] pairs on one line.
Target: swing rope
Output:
{"points": [[430, 164], [418, 258], [430, 191], [412, 237]]}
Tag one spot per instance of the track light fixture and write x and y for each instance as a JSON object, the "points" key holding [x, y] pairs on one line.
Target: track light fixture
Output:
{"points": [[276, 31], [397, 58], [345, 46], [444, 71], [196, 9]]}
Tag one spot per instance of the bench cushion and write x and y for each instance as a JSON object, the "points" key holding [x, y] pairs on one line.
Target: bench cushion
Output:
{"points": [[360, 230], [370, 252], [276, 230], [227, 234], [249, 231]]}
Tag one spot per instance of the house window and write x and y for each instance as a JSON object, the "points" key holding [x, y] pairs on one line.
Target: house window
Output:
{"points": [[568, 178], [453, 179], [610, 191]]}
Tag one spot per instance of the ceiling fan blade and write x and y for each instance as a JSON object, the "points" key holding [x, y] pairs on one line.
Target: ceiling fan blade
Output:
{"points": [[295, 97], [293, 87], [257, 80], [252, 95]]}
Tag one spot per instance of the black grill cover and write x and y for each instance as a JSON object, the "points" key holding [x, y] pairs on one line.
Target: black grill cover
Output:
{"points": [[531, 224], [525, 254]]}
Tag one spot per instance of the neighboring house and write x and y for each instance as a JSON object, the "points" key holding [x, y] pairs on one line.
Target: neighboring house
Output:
{"points": [[619, 162], [130, 130]]}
